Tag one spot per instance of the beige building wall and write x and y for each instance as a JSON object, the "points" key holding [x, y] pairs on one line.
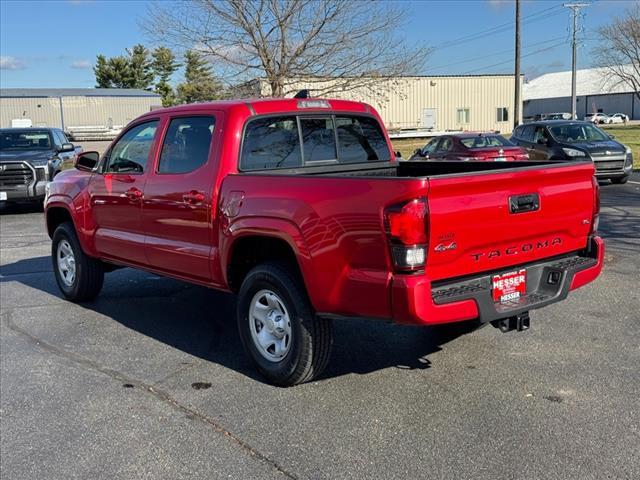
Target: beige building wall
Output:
{"points": [[78, 111], [402, 102]]}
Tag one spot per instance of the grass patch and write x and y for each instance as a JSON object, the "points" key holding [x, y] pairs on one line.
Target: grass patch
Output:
{"points": [[630, 136], [407, 146], [627, 134]]}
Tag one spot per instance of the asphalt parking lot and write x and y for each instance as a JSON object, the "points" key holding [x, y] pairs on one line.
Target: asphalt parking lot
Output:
{"points": [[150, 382]]}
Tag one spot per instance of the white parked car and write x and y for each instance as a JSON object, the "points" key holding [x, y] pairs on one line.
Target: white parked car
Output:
{"points": [[619, 118], [597, 118]]}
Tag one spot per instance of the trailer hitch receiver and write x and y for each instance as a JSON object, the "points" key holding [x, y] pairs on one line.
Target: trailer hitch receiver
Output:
{"points": [[519, 322]]}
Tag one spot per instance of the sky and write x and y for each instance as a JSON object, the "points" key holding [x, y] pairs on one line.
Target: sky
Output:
{"points": [[51, 43]]}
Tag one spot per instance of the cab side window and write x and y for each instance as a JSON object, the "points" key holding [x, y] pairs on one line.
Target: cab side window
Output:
{"points": [[540, 134], [527, 133], [430, 147], [57, 139], [186, 144], [446, 145], [131, 152]]}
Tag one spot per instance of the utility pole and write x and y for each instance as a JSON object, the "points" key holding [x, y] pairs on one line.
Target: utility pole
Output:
{"points": [[516, 103], [575, 8]]}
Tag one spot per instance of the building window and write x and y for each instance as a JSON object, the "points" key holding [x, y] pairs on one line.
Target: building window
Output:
{"points": [[502, 114], [463, 115]]}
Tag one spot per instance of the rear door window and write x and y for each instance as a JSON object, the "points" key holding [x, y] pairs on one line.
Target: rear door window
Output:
{"points": [[318, 139], [360, 140], [270, 143], [186, 144]]}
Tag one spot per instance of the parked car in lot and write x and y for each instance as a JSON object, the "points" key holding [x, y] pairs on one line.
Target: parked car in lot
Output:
{"points": [[29, 159], [599, 118], [470, 147], [299, 207], [574, 140], [557, 116], [619, 118]]}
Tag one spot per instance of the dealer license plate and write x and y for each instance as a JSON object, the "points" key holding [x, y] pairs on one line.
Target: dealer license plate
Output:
{"points": [[509, 286], [500, 159], [3, 196]]}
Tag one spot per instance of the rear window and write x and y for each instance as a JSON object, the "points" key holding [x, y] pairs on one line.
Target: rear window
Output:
{"points": [[275, 142], [360, 139], [319, 140], [486, 141], [271, 143]]}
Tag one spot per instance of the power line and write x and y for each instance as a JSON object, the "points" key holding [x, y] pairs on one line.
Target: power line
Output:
{"points": [[509, 51], [503, 27], [523, 56]]}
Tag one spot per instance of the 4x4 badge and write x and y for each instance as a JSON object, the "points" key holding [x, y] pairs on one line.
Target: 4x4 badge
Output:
{"points": [[443, 247]]}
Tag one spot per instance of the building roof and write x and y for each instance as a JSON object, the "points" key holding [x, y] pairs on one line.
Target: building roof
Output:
{"points": [[589, 81], [75, 92]]}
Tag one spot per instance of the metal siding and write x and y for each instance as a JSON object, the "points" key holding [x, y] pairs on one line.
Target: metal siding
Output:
{"points": [[401, 101], [43, 112], [78, 111], [609, 103]]}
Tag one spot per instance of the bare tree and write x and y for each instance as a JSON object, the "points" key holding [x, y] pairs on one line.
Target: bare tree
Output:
{"points": [[619, 51], [329, 45]]}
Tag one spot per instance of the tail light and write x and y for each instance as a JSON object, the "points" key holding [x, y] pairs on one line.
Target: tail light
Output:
{"points": [[407, 230], [595, 219]]}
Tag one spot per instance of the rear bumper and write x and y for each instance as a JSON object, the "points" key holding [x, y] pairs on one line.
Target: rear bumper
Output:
{"points": [[416, 301]]}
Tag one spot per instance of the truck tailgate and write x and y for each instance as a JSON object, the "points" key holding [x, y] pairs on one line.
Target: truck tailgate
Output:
{"points": [[494, 220]]}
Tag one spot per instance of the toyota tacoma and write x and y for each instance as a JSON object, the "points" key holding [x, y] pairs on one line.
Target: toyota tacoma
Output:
{"points": [[300, 208]]}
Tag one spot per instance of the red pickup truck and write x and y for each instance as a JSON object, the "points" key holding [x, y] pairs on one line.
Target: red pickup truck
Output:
{"points": [[300, 207]]}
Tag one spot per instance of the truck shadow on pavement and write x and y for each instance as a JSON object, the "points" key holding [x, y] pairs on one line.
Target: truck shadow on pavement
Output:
{"points": [[201, 322]]}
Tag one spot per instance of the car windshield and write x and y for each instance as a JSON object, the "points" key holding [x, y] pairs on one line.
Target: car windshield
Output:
{"points": [[25, 140], [485, 141], [578, 133]]}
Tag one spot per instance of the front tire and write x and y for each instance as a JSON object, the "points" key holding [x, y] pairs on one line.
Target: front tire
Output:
{"points": [[278, 327], [79, 276], [620, 180]]}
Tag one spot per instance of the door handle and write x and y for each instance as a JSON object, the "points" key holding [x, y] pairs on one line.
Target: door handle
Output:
{"points": [[524, 203], [133, 194], [193, 197]]}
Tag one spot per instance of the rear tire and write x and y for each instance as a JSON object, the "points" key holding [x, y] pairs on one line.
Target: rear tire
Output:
{"points": [[620, 181], [79, 276], [278, 327]]}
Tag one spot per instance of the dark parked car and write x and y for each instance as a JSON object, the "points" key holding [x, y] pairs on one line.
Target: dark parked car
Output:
{"points": [[576, 140], [470, 147], [29, 159]]}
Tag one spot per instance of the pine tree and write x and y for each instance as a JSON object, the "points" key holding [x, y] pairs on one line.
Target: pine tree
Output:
{"points": [[200, 85], [140, 67], [164, 66]]}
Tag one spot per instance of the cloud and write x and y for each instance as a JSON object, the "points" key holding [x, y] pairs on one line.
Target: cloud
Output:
{"points": [[81, 64], [11, 63]]}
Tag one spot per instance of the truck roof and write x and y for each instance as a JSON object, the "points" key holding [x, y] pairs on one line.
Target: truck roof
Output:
{"points": [[272, 105]]}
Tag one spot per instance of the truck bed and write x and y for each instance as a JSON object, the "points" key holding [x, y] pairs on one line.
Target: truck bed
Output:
{"points": [[337, 213]]}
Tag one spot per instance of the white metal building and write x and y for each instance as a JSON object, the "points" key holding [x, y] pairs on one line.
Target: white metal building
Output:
{"points": [[75, 107], [463, 102], [595, 92]]}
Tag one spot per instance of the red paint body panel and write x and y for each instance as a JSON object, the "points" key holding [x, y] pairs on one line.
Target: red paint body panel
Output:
{"points": [[335, 225]]}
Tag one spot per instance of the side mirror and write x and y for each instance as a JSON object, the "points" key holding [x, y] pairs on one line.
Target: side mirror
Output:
{"points": [[541, 141], [612, 137], [87, 161], [417, 151], [67, 147]]}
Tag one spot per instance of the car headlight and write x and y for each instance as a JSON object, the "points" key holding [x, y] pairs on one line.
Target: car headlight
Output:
{"points": [[572, 152], [628, 150]]}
